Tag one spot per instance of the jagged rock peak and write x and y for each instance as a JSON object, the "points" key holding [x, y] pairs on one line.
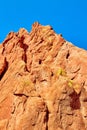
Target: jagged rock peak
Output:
{"points": [[43, 82]]}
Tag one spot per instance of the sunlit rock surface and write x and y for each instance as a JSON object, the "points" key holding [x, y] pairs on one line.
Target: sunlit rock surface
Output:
{"points": [[43, 82]]}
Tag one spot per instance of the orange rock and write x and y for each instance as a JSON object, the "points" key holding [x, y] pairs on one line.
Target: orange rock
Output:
{"points": [[43, 82], [3, 65]]}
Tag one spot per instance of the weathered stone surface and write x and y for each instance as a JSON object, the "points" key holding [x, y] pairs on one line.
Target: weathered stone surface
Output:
{"points": [[43, 82]]}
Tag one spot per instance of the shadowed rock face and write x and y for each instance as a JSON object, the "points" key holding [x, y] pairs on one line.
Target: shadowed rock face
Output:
{"points": [[43, 82]]}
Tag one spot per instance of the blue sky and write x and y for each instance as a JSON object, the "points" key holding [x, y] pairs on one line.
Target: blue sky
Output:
{"points": [[68, 17]]}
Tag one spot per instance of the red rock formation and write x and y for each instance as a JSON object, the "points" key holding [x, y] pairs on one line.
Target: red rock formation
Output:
{"points": [[43, 82]]}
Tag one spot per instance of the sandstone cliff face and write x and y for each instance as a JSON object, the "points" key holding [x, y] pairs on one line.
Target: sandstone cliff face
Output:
{"points": [[43, 82]]}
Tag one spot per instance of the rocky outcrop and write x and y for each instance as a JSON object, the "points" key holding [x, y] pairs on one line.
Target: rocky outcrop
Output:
{"points": [[43, 82]]}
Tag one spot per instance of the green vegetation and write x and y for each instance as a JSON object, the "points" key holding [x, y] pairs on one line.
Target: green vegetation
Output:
{"points": [[26, 83], [61, 72], [70, 83], [77, 88]]}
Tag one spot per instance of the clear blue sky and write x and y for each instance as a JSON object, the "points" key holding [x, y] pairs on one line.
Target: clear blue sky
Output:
{"points": [[68, 17]]}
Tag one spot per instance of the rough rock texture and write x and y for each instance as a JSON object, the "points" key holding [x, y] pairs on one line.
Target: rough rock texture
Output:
{"points": [[43, 82]]}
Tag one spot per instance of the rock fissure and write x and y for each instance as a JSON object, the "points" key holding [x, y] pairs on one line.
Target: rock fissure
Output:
{"points": [[20, 94], [3, 69], [68, 55], [75, 101]]}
